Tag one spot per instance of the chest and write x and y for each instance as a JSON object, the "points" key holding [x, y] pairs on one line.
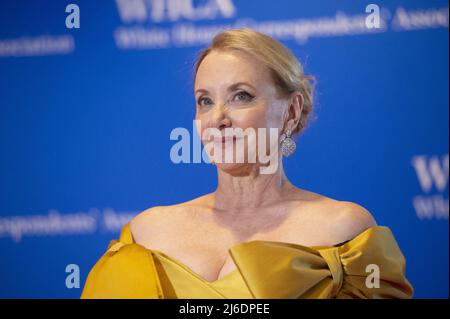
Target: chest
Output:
{"points": [[206, 252]]}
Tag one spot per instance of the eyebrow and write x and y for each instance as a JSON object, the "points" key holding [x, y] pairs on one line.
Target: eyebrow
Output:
{"points": [[232, 87]]}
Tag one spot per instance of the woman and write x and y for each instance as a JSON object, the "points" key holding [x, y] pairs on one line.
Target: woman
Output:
{"points": [[257, 235]]}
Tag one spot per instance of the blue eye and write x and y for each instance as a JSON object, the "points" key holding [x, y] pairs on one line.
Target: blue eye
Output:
{"points": [[245, 96], [203, 99]]}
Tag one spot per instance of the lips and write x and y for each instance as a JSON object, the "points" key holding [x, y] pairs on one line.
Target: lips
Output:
{"points": [[225, 139]]}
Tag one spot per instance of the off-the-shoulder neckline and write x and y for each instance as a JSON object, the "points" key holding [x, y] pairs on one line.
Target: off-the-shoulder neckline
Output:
{"points": [[370, 229], [212, 283]]}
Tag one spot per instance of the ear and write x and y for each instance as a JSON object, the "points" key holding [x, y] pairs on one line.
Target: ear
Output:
{"points": [[294, 111]]}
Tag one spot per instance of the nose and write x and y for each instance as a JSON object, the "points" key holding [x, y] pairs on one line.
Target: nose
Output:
{"points": [[221, 119]]}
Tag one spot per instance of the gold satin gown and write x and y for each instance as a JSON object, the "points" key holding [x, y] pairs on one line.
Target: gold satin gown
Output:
{"points": [[265, 269]]}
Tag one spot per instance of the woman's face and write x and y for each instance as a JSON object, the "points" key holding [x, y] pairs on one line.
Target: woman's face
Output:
{"points": [[235, 90]]}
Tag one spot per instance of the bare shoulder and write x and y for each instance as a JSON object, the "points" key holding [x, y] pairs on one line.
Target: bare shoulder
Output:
{"points": [[334, 221], [350, 219], [158, 220], [139, 225]]}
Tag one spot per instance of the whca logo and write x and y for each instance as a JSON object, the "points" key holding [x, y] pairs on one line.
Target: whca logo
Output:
{"points": [[140, 11], [432, 175]]}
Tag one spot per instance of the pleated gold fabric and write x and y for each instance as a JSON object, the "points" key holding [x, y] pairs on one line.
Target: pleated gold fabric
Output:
{"points": [[265, 269]]}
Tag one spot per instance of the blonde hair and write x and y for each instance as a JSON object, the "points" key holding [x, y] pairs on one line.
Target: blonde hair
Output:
{"points": [[286, 70]]}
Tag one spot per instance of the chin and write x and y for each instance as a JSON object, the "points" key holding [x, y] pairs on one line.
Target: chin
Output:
{"points": [[236, 169]]}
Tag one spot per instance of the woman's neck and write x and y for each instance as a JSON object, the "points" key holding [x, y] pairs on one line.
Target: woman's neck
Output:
{"points": [[241, 193]]}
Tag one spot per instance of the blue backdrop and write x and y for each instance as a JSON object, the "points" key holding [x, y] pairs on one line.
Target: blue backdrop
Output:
{"points": [[86, 114]]}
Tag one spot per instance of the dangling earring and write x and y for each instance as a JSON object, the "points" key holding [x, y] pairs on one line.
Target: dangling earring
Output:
{"points": [[287, 143]]}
